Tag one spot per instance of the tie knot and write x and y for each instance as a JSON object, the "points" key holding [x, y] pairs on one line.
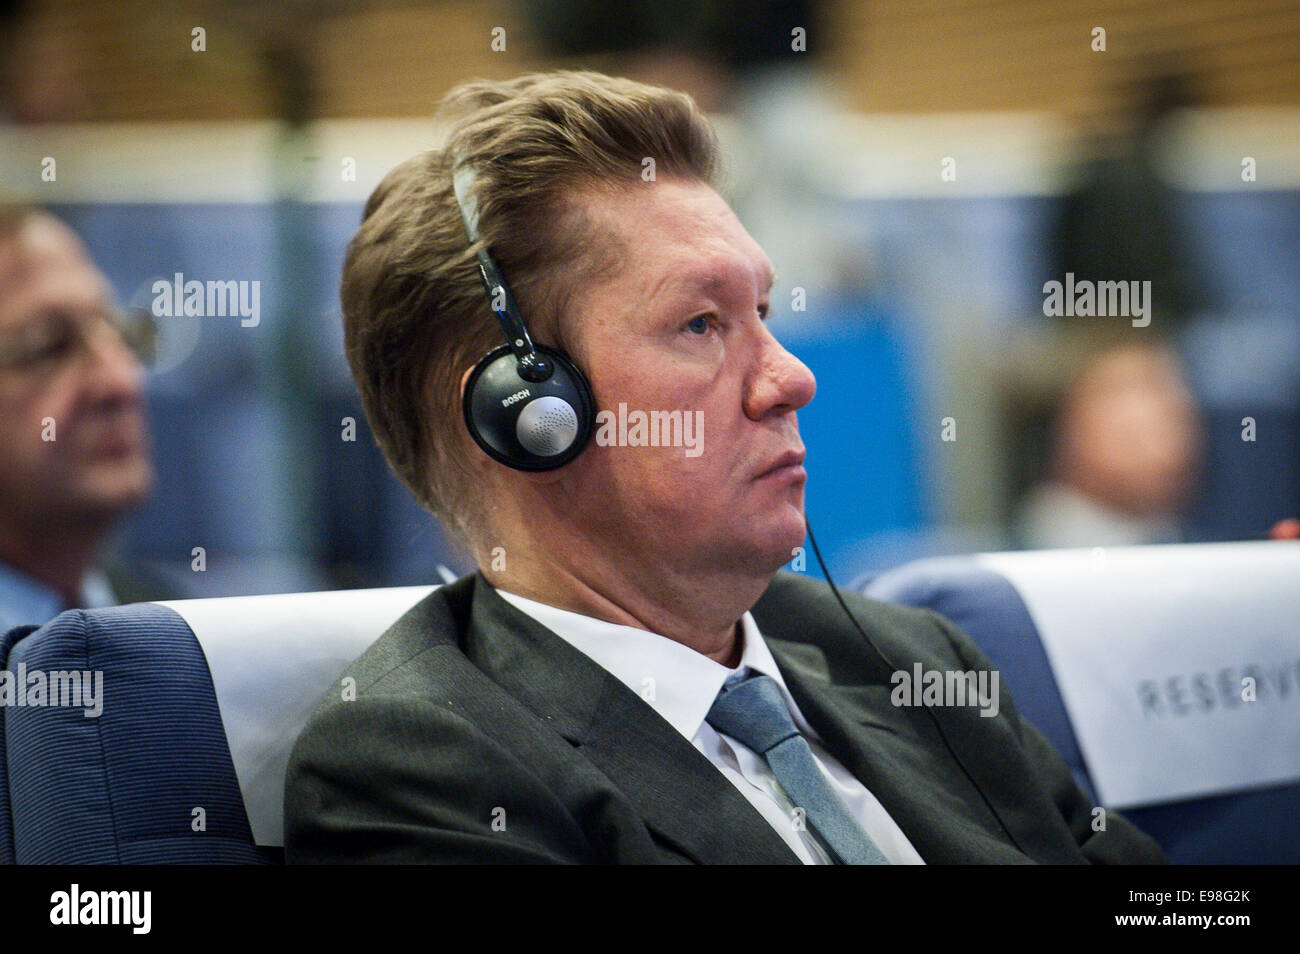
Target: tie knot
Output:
{"points": [[754, 713]]}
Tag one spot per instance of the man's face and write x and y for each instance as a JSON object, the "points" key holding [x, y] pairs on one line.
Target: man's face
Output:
{"points": [[1130, 434], [680, 328], [74, 380]]}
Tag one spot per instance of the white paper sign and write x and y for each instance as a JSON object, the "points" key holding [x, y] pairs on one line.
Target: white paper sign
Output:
{"points": [[1179, 665]]}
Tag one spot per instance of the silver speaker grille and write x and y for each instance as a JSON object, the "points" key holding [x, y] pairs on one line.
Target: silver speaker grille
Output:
{"points": [[547, 426]]}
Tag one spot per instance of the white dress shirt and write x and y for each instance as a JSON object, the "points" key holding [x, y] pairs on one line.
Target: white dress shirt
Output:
{"points": [[681, 684], [25, 599]]}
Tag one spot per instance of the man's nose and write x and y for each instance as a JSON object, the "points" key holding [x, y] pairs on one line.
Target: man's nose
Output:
{"points": [[782, 383], [111, 368]]}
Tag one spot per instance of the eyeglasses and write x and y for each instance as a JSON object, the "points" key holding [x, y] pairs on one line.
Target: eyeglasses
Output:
{"points": [[60, 337]]}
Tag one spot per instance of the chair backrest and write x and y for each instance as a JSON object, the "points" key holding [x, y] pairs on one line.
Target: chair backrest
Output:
{"points": [[201, 702], [1173, 607]]}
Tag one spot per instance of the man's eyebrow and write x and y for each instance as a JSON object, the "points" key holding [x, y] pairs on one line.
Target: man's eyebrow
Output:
{"points": [[707, 282]]}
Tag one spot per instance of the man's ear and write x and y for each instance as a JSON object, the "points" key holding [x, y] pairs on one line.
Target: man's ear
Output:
{"points": [[463, 379]]}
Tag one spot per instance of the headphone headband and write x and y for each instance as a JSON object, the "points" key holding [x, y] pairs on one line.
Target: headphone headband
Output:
{"points": [[462, 180], [532, 366]]}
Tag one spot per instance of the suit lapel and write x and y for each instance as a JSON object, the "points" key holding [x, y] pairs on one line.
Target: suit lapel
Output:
{"points": [[897, 754], [676, 790]]}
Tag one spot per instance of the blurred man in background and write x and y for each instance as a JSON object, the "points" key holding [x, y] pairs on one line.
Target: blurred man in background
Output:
{"points": [[74, 453], [1127, 445]]}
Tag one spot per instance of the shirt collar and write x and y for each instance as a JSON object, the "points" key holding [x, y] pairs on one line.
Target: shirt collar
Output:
{"points": [[96, 591], [675, 680], [26, 600]]}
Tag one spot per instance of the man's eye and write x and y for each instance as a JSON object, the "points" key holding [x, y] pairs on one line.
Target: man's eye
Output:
{"points": [[699, 325], [55, 350], [50, 343]]}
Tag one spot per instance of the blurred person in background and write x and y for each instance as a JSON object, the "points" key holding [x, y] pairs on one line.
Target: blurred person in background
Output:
{"points": [[74, 447], [1120, 221], [1125, 455]]}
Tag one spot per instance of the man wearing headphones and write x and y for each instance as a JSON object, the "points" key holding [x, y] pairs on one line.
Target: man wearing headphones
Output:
{"points": [[626, 678]]}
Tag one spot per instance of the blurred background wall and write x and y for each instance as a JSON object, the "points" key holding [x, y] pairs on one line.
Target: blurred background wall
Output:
{"points": [[916, 169]]}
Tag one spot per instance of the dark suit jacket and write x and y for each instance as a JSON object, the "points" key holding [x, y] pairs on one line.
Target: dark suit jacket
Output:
{"points": [[478, 735]]}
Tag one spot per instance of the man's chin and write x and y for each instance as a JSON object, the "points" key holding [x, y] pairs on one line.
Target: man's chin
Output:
{"points": [[781, 545], [108, 497]]}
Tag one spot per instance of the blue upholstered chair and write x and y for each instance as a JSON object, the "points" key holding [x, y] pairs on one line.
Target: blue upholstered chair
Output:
{"points": [[202, 701], [1257, 826]]}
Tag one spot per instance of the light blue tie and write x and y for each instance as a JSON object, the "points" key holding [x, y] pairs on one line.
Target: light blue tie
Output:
{"points": [[753, 712]]}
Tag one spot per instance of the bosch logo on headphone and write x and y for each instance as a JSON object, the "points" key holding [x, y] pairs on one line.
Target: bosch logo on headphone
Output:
{"points": [[517, 396]]}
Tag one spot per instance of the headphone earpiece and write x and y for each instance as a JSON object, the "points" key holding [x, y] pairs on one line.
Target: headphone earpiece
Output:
{"points": [[528, 425]]}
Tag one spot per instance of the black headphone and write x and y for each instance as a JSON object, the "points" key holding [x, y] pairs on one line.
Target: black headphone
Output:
{"points": [[526, 405]]}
